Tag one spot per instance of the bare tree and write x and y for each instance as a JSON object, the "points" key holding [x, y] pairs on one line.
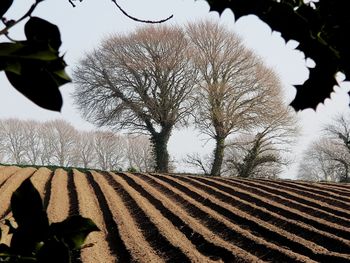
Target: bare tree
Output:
{"points": [[235, 90], [139, 82], [2, 156], [61, 141], [139, 153], [84, 154], [110, 150], [46, 139], [265, 153], [33, 146], [339, 131], [331, 154], [202, 163], [13, 140], [324, 161], [339, 134]]}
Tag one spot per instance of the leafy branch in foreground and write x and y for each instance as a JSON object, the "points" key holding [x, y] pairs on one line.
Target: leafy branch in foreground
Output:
{"points": [[33, 66], [320, 27], [34, 239]]}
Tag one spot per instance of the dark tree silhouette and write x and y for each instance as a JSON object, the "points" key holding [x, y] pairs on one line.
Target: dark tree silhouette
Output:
{"points": [[321, 28], [33, 66]]}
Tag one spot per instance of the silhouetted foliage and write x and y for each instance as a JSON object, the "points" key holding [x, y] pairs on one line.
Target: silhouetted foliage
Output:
{"points": [[33, 66], [34, 239], [321, 28]]}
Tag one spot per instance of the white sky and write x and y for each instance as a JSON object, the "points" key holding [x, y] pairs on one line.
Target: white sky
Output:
{"points": [[83, 27]]}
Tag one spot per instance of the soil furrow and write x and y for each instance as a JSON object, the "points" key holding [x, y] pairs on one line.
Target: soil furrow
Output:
{"points": [[47, 191], [11, 184], [73, 196], [339, 188], [307, 205], [205, 247], [274, 207], [5, 236], [324, 196], [40, 180], [6, 172], [140, 249], [224, 228], [171, 218], [88, 207], [334, 190], [268, 231], [58, 208], [180, 207], [307, 232], [116, 244], [154, 235], [73, 209]]}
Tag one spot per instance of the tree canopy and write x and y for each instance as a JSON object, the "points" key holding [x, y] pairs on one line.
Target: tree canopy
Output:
{"points": [[35, 68], [321, 29], [235, 91], [141, 81]]}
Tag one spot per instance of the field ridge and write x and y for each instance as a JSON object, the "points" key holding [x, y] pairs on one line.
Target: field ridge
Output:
{"points": [[151, 217]]}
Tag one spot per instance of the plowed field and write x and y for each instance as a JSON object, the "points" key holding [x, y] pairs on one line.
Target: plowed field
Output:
{"points": [[168, 218]]}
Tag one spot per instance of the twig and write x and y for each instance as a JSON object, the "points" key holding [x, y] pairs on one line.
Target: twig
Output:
{"points": [[71, 2], [10, 38], [27, 14], [140, 20]]}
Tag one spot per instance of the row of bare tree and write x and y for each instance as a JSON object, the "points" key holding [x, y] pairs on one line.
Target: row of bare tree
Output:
{"points": [[162, 77], [328, 158], [59, 143]]}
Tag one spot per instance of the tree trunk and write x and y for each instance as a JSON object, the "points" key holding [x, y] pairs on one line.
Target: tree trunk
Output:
{"points": [[218, 157], [346, 180], [160, 150]]}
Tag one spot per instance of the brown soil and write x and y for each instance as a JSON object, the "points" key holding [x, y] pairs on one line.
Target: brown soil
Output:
{"points": [[129, 232], [58, 208], [89, 207], [195, 227], [169, 218], [40, 179]]}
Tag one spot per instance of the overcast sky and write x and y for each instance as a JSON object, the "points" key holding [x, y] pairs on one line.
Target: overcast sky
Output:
{"points": [[85, 26]]}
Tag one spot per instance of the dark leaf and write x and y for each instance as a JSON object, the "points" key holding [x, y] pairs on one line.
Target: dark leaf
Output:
{"points": [[4, 6], [26, 205], [31, 218], [5, 253], [24, 241], [73, 231], [315, 90], [25, 50], [39, 82], [9, 224], [39, 30], [4, 249], [321, 31], [54, 251]]}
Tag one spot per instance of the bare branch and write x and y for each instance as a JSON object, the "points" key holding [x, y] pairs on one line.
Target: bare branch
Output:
{"points": [[141, 20], [236, 92], [141, 82], [4, 31]]}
